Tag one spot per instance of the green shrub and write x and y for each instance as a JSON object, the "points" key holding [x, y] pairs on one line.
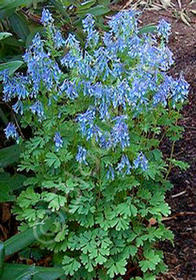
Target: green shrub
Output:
{"points": [[97, 116]]}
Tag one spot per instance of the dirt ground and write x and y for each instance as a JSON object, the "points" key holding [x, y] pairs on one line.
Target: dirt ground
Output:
{"points": [[181, 258]]}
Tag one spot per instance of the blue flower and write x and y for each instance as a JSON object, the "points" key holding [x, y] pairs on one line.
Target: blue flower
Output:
{"points": [[58, 141], [37, 108], [88, 23], [46, 17], [58, 39], [15, 87], [92, 38], [10, 131], [165, 58], [124, 24], [179, 89], [124, 162], [81, 155], [69, 88], [164, 29], [120, 133], [86, 121], [18, 107], [110, 174], [141, 161], [72, 42], [40, 66]]}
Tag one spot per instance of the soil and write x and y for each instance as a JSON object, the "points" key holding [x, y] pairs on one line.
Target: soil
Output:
{"points": [[181, 258]]}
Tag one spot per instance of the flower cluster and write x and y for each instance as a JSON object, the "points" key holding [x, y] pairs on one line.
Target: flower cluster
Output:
{"points": [[121, 71], [164, 29], [10, 131]]}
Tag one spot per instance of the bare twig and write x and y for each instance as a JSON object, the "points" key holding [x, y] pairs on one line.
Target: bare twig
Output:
{"points": [[178, 194]]}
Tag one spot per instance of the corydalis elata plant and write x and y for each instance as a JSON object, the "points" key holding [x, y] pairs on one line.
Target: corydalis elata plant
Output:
{"points": [[97, 116]]}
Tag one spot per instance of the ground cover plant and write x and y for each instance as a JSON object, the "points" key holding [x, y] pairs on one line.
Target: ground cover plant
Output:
{"points": [[98, 114]]}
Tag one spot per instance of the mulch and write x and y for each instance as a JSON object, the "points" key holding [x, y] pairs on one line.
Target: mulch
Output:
{"points": [[182, 221]]}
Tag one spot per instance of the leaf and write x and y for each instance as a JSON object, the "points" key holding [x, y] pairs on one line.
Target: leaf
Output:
{"points": [[86, 5], [11, 66], [11, 272], [12, 4], [25, 238], [19, 26], [150, 262], [2, 256], [52, 160], [178, 163], [117, 267], [9, 155], [4, 35], [98, 10], [8, 184], [147, 29], [56, 200], [70, 265], [28, 198]]}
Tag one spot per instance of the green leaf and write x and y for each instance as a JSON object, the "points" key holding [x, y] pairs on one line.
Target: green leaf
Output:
{"points": [[178, 163], [150, 262], [8, 184], [12, 272], [56, 201], [11, 66], [9, 155], [98, 10], [12, 4], [116, 267], [52, 160], [2, 256], [19, 26], [4, 35], [148, 29], [28, 198], [25, 238], [70, 265], [86, 5]]}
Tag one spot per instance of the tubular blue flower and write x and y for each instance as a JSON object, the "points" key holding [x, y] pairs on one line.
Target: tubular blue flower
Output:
{"points": [[15, 87], [124, 24], [88, 23], [165, 58], [86, 121], [163, 91], [92, 38], [164, 29], [179, 90], [81, 155], [120, 133], [58, 141], [10, 131], [18, 107], [110, 174], [40, 66], [46, 17], [37, 108], [58, 39], [120, 94], [105, 140], [69, 88], [72, 42], [124, 162], [141, 161]]}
